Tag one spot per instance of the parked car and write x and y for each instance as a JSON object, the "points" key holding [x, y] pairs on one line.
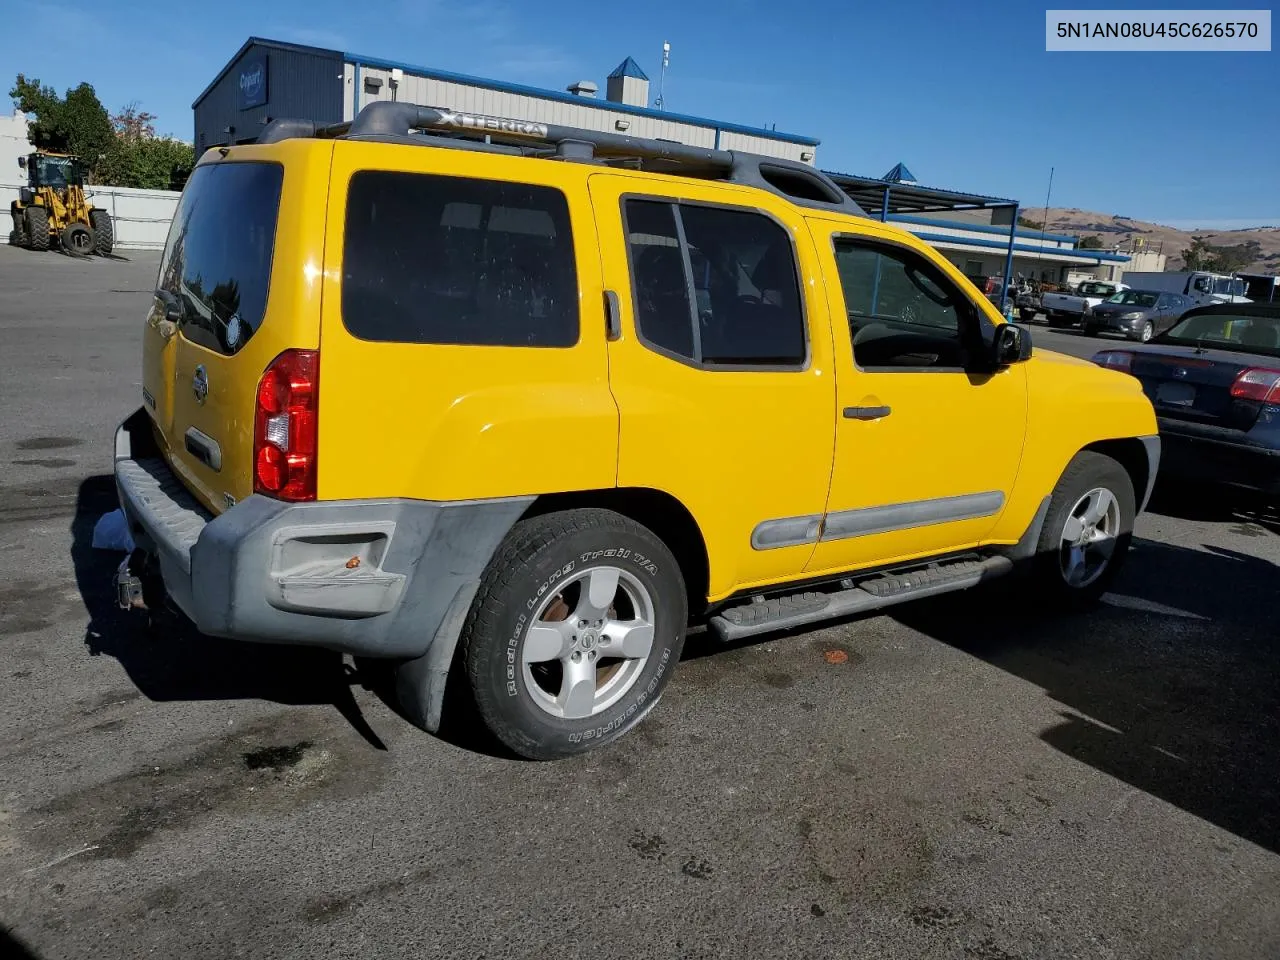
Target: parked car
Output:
{"points": [[1136, 314], [1214, 379], [485, 408], [1069, 309]]}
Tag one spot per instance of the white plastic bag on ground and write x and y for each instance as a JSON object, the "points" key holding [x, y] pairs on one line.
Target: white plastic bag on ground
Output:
{"points": [[111, 532]]}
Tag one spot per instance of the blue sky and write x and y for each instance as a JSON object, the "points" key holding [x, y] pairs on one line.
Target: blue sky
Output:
{"points": [[964, 94]]}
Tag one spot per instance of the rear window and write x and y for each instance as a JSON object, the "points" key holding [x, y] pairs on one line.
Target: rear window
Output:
{"points": [[449, 260], [217, 259]]}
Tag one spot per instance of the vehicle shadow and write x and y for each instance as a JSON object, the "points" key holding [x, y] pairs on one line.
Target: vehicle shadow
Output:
{"points": [[1253, 514], [1172, 684], [175, 661], [11, 948]]}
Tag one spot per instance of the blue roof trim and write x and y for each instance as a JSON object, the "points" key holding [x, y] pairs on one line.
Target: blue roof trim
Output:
{"points": [[1095, 255], [980, 227], [628, 68], [521, 89]]}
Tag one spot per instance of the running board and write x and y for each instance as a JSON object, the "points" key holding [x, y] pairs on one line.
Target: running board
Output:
{"points": [[800, 609]]}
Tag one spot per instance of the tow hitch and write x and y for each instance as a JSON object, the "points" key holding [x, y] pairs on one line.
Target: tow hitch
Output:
{"points": [[129, 593]]}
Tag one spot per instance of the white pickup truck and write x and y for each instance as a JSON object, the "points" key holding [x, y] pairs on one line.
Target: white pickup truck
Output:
{"points": [[1067, 309]]}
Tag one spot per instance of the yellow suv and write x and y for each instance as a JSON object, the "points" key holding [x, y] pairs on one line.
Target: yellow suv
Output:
{"points": [[523, 401]]}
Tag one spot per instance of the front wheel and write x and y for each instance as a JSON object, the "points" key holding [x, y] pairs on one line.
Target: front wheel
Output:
{"points": [[576, 628], [1147, 332], [1087, 530], [36, 220]]}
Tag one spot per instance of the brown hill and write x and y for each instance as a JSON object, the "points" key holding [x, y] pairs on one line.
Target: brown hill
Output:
{"points": [[1114, 231]]}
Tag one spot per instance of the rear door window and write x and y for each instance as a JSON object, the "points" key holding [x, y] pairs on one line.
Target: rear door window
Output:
{"points": [[217, 258], [452, 260], [714, 285]]}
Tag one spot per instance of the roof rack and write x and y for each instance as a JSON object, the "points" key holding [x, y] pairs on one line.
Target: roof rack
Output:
{"points": [[439, 127]]}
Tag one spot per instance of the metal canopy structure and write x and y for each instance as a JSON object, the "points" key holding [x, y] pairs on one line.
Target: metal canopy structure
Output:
{"points": [[893, 196]]}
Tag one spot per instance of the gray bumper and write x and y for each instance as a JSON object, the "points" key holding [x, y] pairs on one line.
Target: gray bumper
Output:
{"points": [[1151, 444], [367, 577]]}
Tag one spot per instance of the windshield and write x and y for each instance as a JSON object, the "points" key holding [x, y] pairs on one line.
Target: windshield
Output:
{"points": [[1229, 286], [58, 172], [1253, 334], [1137, 298], [1096, 289]]}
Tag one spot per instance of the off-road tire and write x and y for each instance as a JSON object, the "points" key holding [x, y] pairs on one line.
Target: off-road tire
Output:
{"points": [[77, 240], [15, 238], [535, 556], [1086, 471], [37, 221], [104, 237]]}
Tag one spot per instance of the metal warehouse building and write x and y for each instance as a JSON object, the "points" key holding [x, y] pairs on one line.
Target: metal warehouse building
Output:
{"points": [[267, 79]]}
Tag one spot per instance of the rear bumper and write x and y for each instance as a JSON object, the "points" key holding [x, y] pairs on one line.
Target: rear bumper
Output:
{"points": [[1204, 454], [366, 577]]}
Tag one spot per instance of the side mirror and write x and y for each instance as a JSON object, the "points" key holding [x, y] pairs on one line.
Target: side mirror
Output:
{"points": [[22, 162], [1011, 344]]}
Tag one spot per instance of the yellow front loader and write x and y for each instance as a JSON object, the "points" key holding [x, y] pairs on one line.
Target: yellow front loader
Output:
{"points": [[51, 210]]}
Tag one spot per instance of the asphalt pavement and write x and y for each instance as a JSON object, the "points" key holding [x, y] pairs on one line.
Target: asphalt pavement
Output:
{"points": [[973, 781]]}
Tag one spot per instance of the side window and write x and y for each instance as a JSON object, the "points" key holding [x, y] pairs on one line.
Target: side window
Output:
{"points": [[715, 286], [903, 311], [451, 260], [660, 287]]}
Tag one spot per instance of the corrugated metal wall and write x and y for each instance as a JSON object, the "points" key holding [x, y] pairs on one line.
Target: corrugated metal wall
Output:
{"points": [[299, 84], [430, 92]]}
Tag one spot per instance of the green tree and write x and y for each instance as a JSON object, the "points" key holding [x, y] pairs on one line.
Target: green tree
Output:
{"points": [[1229, 259], [1198, 256], [1091, 242], [139, 158], [77, 123], [152, 163], [1032, 224]]}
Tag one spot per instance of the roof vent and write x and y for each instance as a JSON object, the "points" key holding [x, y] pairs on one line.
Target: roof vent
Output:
{"points": [[583, 88]]}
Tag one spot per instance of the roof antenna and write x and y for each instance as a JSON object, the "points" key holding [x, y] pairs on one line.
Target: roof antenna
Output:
{"points": [[666, 59], [1045, 225]]}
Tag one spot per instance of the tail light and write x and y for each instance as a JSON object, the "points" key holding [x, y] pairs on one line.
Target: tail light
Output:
{"points": [[1121, 360], [1261, 384], [285, 427]]}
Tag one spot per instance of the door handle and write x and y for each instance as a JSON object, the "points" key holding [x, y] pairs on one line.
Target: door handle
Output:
{"points": [[612, 315], [866, 413]]}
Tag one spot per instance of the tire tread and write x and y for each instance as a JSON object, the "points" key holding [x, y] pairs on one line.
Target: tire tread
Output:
{"points": [[514, 557]]}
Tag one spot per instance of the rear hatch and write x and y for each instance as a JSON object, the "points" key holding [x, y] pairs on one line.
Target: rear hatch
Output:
{"points": [[232, 294]]}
